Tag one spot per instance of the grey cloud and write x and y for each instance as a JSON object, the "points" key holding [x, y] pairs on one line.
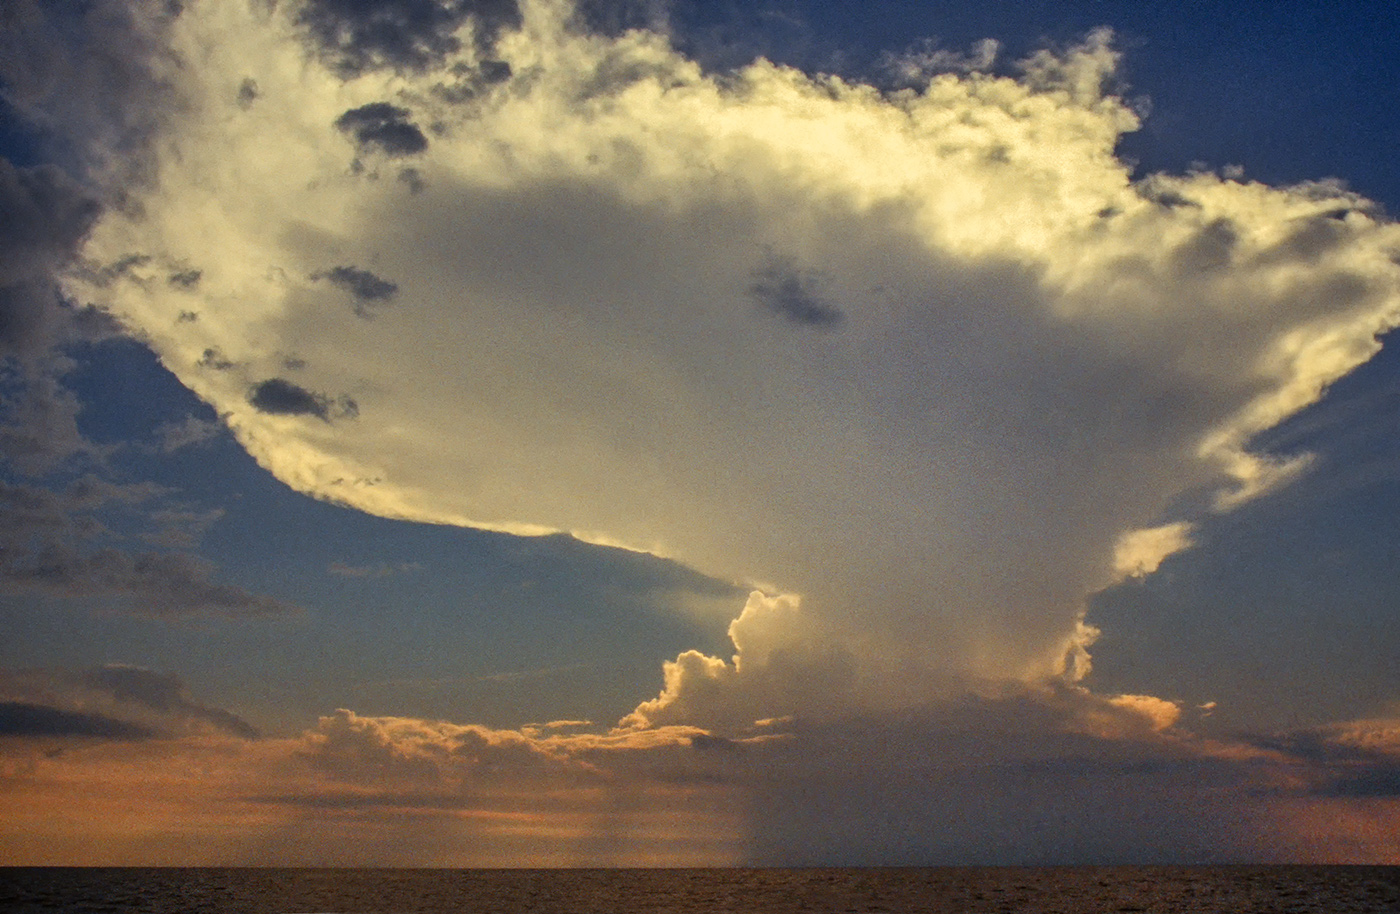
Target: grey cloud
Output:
{"points": [[162, 692], [989, 781], [1313, 238], [214, 359], [157, 583], [706, 742], [54, 543], [181, 528], [1334, 763], [917, 64], [382, 126], [464, 82], [360, 35], [247, 93], [1208, 250], [117, 701], [280, 397], [413, 178], [284, 398], [367, 288], [33, 720], [173, 436], [44, 215], [379, 570], [613, 17], [96, 73], [38, 421], [1164, 196], [1376, 781], [30, 509], [491, 72], [794, 295], [186, 279]]}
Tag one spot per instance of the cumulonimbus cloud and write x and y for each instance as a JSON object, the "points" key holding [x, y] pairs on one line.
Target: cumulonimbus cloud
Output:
{"points": [[923, 360]]}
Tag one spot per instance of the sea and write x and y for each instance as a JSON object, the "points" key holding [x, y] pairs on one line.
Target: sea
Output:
{"points": [[938, 890]]}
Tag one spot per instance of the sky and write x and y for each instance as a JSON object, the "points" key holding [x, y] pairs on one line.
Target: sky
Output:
{"points": [[650, 433]]}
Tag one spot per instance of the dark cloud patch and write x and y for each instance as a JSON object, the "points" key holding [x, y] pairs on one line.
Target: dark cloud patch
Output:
{"points": [[360, 35], [186, 279], [98, 73], [214, 359], [181, 528], [414, 179], [114, 702], [612, 18], [377, 570], [35, 720], [1337, 765], [1381, 780], [367, 288], [1164, 196], [39, 431], [989, 781], [467, 82], [56, 543], [154, 583], [247, 93], [493, 72], [614, 73], [193, 431], [1314, 238], [706, 742], [283, 398], [122, 268], [1209, 250], [382, 126], [44, 215], [793, 295], [280, 397], [161, 692]]}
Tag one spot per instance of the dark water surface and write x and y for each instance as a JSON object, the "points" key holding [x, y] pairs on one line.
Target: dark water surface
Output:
{"points": [[1066, 890]]}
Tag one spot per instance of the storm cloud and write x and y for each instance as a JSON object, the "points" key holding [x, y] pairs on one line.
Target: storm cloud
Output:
{"points": [[921, 370], [1025, 357]]}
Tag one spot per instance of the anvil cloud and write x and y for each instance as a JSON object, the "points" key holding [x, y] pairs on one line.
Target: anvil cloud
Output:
{"points": [[920, 358], [923, 367]]}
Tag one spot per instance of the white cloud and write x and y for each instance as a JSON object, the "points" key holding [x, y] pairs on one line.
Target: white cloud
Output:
{"points": [[1140, 552], [922, 359]]}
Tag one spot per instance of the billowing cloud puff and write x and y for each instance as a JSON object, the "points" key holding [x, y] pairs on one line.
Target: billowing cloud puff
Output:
{"points": [[922, 359]]}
